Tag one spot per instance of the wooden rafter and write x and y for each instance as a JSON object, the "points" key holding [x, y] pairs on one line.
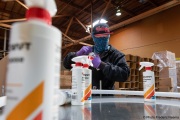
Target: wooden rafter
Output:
{"points": [[12, 20], [5, 25], [23, 19], [84, 8], [63, 8], [86, 44], [11, 12], [68, 37], [105, 9], [81, 9], [81, 23], [70, 22], [22, 4]]}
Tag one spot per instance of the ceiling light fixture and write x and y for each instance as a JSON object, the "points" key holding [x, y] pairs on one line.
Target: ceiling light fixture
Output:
{"points": [[118, 12]]}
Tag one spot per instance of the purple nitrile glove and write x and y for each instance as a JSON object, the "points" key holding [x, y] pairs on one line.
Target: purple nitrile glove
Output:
{"points": [[85, 50], [96, 61]]}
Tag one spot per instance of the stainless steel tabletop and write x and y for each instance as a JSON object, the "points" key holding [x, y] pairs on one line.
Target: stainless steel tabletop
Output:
{"points": [[126, 108]]}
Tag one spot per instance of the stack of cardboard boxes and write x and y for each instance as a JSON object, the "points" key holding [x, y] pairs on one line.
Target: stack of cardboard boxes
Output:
{"points": [[167, 72], [133, 81]]}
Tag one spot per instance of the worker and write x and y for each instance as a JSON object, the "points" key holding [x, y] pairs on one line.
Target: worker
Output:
{"points": [[109, 64]]}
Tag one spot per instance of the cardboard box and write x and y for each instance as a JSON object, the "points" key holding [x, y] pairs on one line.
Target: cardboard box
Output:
{"points": [[164, 55], [165, 82], [3, 70], [65, 81], [167, 72], [129, 57], [125, 85], [164, 89], [67, 72], [116, 85]]}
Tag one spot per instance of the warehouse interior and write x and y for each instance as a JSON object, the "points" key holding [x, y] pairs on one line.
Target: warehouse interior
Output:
{"points": [[144, 30]]}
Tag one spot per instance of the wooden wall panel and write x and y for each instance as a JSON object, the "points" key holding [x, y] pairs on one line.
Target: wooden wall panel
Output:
{"points": [[155, 33]]}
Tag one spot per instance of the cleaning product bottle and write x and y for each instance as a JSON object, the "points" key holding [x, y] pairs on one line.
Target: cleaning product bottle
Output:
{"points": [[34, 65], [87, 76], [64, 97], [78, 83], [148, 81]]}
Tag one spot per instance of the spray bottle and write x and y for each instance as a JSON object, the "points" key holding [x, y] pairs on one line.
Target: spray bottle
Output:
{"points": [[78, 83], [148, 81], [34, 65], [64, 97], [87, 76]]}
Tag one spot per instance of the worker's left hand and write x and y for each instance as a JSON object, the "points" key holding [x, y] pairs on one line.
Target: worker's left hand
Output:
{"points": [[96, 61]]}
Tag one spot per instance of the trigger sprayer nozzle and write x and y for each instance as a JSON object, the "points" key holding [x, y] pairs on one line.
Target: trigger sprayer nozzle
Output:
{"points": [[145, 64]]}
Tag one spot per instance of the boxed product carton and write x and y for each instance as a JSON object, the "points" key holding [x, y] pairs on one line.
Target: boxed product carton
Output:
{"points": [[165, 58]]}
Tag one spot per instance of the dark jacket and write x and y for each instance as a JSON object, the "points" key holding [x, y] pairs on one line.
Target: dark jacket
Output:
{"points": [[112, 68]]}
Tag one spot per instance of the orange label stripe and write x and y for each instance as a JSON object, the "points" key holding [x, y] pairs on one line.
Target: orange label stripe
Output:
{"points": [[149, 91], [87, 93], [150, 95], [28, 105]]}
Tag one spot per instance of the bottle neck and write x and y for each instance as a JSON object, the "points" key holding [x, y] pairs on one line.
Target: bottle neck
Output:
{"points": [[78, 64], [38, 13], [85, 66], [147, 68]]}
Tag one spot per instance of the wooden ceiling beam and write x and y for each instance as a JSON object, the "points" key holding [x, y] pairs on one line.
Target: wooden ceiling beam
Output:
{"points": [[63, 8], [86, 44], [70, 22], [81, 24], [83, 8], [105, 9], [12, 20], [22, 4], [11, 12], [87, 12], [23, 19], [5, 25], [134, 19], [70, 39], [153, 3]]}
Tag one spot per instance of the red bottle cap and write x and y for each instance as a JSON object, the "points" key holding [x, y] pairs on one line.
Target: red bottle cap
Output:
{"points": [[38, 13]]}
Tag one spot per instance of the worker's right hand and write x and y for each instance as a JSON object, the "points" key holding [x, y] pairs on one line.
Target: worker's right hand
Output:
{"points": [[85, 50]]}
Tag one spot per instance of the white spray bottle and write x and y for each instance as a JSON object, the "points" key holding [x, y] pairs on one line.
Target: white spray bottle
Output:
{"points": [[78, 83], [87, 76], [34, 65], [64, 97], [148, 81]]}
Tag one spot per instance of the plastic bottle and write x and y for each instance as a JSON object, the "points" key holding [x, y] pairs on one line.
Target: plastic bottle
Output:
{"points": [[87, 76], [34, 65], [148, 82], [78, 83], [64, 97]]}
